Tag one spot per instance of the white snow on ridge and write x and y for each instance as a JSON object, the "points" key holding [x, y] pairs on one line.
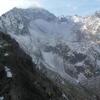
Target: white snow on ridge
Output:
{"points": [[42, 30]]}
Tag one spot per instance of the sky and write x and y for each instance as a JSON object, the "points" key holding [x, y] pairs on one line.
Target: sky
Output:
{"points": [[58, 7]]}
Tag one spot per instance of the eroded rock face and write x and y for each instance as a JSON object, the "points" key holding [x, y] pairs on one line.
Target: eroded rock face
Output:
{"points": [[67, 45], [19, 80], [40, 34]]}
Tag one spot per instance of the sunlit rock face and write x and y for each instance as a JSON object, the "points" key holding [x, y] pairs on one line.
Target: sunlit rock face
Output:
{"points": [[68, 46]]}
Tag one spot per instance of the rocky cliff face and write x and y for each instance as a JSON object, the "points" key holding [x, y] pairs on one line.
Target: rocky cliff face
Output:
{"points": [[53, 42], [65, 49], [19, 80]]}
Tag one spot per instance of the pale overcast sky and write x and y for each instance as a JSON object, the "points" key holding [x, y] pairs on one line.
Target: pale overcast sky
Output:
{"points": [[58, 7]]}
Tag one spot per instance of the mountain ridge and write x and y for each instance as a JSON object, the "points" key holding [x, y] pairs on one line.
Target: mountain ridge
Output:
{"points": [[67, 46]]}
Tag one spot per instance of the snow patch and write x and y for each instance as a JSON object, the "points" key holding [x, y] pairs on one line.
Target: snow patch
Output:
{"points": [[6, 54], [0, 46], [79, 64], [64, 96], [8, 72], [1, 98]]}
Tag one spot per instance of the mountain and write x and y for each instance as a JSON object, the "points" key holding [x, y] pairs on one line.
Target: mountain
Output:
{"points": [[19, 79], [65, 49], [35, 33]]}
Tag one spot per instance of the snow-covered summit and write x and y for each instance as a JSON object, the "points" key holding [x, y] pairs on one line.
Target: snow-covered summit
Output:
{"points": [[32, 13], [59, 44]]}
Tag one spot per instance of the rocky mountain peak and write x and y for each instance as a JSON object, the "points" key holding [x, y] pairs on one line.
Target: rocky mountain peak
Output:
{"points": [[34, 13], [67, 47], [97, 13]]}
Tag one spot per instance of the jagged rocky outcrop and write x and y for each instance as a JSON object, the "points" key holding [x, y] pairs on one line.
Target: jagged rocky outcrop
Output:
{"points": [[37, 29], [66, 47], [19, 79]]}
